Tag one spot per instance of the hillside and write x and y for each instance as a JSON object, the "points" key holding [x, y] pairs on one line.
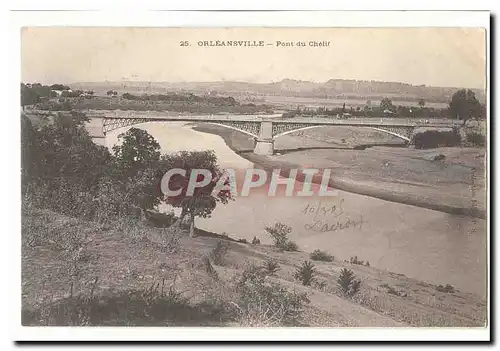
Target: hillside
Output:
{"points": [[83, 273], [333, 88]]}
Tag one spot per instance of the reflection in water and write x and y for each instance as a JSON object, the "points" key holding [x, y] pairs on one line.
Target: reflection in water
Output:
{"points": [[420, 243]]}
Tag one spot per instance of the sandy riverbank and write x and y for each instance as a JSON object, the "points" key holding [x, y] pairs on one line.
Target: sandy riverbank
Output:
{"points": [[454, 185]]}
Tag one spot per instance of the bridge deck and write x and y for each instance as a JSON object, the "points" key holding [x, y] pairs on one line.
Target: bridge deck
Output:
{"points": [[296, 120]]}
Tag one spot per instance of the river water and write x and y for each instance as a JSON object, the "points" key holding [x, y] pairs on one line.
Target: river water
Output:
{"points": [[420, 243]]}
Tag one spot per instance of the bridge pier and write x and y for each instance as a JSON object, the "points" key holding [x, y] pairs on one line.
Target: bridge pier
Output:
{"points": [[264, 147], [265, 143]]}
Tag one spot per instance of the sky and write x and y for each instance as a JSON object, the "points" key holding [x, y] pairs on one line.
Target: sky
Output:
{"points": [[449, 57]]}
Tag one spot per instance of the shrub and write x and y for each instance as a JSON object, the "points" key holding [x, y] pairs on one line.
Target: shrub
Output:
{"points": [[476, 139], [279, 233], [392, 291], [318, 255], [290, 246], [354, 260], [219, 252], [305, 273], [261, 303], [347, 283], [435, 138], [243, 241], [271, 266], [446, 289], [255, 241]]}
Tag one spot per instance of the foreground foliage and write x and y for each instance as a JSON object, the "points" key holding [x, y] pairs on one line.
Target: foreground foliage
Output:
{"points": [[305, 273], [347, 283], [263, 303], [279, 233]]}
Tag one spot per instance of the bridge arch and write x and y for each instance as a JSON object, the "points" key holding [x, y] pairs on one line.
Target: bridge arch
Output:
{"points": [[404, 137], [109, 127], [233, 128]]}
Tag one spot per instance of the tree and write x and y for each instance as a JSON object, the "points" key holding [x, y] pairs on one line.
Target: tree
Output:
{"points": [[29, 95], [279, 233], [138, 168], [61, 165], [386, 104], [28, 152], [421, 103], [137, 151], [59, 87], [202, 202], [464, 105]]}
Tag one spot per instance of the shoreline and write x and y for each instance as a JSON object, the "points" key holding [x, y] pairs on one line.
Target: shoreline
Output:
{"points": [[243, 146]]}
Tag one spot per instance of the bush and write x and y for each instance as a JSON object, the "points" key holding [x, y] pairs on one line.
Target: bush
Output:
{"points": [[392, 291], [255, 241], [261, 303], [347, 283], [290, 246], [318, 255], [243, 241], [279, 233], [354, 260], [219, 253], [446, 289], [434, 138], [305, 273], [271, 266], [476, 139]]}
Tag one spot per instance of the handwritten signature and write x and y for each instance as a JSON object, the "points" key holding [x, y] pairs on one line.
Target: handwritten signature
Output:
{"points": [[320, 226]]}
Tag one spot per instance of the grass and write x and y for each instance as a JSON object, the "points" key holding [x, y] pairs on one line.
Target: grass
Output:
{"points": [[146, 307], [263, 303]]}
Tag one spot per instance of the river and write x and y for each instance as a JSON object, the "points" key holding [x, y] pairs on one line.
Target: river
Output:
{"points": [[420, 243]]}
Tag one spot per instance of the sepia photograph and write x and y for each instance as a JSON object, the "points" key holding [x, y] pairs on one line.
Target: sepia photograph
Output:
{"points": [[254, 177]]}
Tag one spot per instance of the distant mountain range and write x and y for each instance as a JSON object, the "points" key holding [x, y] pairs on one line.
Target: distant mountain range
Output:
{"points": [[333, 88]]}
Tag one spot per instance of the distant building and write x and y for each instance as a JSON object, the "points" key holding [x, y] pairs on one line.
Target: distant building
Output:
{"points": [[59, 92]]}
